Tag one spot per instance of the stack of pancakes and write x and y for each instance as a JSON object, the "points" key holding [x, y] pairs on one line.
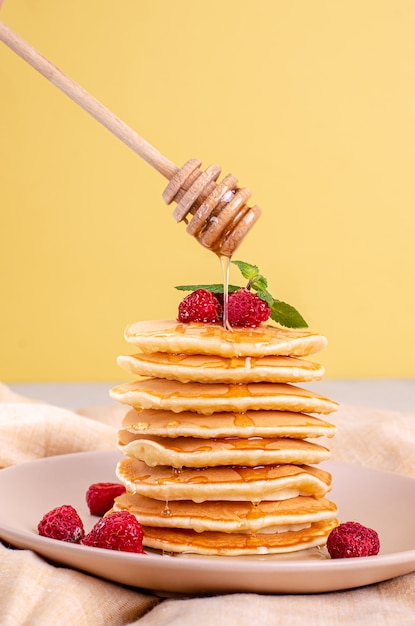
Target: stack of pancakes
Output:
{"points": [[217, 457]]}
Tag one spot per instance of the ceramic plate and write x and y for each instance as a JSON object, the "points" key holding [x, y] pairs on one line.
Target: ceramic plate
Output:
{"points": [[381, 500]]}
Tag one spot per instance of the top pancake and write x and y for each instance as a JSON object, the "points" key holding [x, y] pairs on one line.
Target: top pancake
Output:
{"points": [[209, 368], [196, 338]]}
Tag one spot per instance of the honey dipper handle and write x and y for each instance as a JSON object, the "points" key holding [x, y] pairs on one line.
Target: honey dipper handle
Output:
{"points": [[90, 104]]}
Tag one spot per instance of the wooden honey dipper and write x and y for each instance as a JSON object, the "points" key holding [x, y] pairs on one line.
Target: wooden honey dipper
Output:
{"points": [[215, 213]]}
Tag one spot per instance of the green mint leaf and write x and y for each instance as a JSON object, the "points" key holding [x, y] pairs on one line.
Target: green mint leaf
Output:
{"points": [[287, 315], [259, 283], [247, 270], [215, 288], [265, 295]]}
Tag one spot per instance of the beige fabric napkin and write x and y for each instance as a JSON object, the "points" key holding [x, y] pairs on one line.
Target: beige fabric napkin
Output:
{"points": [[32, 591], [36, 593]]}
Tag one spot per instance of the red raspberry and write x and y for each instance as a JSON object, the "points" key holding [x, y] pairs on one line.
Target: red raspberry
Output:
{"points": [[100, 497], [62, 523], [200, 306], [246, 309], [116, 531], [352, 539]]}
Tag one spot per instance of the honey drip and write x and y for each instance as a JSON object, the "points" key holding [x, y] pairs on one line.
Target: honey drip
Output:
{"points": [[225, 263], [243, 420], [255, 513], [166, 511]]}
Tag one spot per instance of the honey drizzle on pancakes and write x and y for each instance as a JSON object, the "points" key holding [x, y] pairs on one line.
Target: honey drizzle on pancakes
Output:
{"points": [[222, 446]]}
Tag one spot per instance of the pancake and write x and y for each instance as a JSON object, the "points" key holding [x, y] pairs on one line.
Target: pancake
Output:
{"points": [[197, 338], [229, 517], [209, 368], [156, 393], [191, 452], [226, 424], [271, 482], [236, 544]]}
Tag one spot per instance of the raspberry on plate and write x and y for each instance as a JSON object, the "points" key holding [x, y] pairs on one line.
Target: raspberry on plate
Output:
{"points": [[200, 306], [119, 530], [100, 497], [351, 539], [246, 309], [62, 523]]}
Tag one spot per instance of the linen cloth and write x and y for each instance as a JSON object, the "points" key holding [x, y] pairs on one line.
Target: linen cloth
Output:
{"points": [[34, 592]]}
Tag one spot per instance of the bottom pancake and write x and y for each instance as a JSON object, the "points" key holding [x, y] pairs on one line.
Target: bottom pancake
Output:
{"points": [[236, 544]]}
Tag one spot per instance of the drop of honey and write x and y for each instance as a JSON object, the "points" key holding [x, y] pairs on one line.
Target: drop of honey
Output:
{"points": [[166, 511], [243, 420], [198, 479]]}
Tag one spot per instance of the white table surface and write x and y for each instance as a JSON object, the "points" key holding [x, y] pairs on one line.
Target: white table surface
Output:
{"points": [[387, 394]]}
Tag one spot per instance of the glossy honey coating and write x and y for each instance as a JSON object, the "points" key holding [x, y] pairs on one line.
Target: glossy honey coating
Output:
{"points": [[192, 452], [241, 483], [195, 338], [237, 544], [208, 368], [158, 393], [216, 444], [225, 516], [227, 424]]}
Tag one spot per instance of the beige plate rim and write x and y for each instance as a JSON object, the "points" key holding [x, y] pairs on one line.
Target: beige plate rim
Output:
{"points": [[45, 485]]}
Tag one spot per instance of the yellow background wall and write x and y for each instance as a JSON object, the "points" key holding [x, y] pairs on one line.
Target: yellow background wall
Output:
{"points": [[311, 104]]}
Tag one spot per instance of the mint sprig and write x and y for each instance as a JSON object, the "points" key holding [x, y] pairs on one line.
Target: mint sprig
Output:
{"points": [[281, 312]]}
